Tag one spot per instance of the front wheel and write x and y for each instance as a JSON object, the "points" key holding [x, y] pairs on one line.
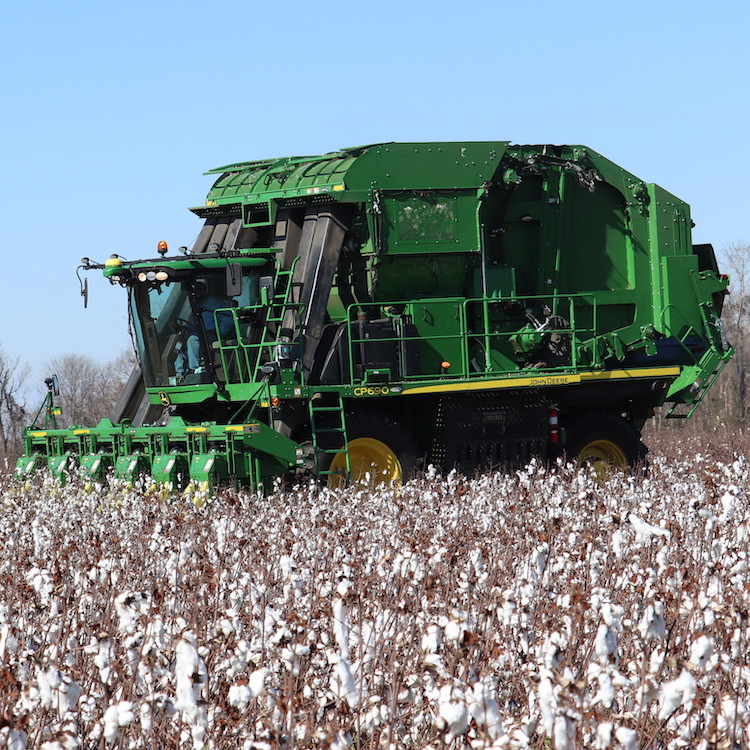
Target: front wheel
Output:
{"points": [[606, 442], [380, 450]]}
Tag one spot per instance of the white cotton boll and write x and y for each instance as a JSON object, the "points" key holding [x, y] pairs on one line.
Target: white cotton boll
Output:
{"points": [[653, 624], [734, 714], [41, 582], [226, 628], [125, 713], [290, 656], [627, 738], [103, 658], [198, 728], [539, 558], [111, 724], [453, 711], [432, 639], [553, 650], [605, 643], [606, 692], [454, 631], [604, 735], [257, 681], [8, 641], [742, 533], [700, 651], [343, 683], [434, 662], [644, 531], [145, 717], [563, 733], [485, 710], [616, 543], [130, 606], [656, 660], [477, 560], [87, 707], [239, 697], [69, 692], [612, 615], [727, 503], [286, 565], [343, 740], [190, 676], [48, 681], [13, 739], [341, 627], [547, 703], [676, 693]]}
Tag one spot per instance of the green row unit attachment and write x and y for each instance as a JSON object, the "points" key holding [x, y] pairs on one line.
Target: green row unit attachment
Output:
{"points": [[211, 454]]}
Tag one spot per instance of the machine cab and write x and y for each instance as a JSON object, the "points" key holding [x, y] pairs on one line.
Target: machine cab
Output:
{"points": [[198, 321]]}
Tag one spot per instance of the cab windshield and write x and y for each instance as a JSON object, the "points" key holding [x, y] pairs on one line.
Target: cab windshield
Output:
{"points": [[189, 330]]}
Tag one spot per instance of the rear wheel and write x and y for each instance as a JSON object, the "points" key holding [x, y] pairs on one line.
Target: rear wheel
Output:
{"points": [[606, 442], [380, 451]]}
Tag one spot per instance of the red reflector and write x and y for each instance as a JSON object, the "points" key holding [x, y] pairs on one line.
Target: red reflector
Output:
{"points": [[553, 421]]}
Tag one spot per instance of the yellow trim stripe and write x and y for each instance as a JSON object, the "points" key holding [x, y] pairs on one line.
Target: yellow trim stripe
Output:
{"points": [[196, 429], [543, 381], [81, 432]]}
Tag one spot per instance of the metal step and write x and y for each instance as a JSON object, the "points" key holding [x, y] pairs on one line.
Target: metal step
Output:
{"points": [[337, 427]]}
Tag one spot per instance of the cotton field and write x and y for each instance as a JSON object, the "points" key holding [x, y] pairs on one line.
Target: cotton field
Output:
{"points": [[536, 610]]}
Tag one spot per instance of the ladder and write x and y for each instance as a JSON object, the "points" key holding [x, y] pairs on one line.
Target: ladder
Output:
{"points": [[281, 303], [328, 426]]}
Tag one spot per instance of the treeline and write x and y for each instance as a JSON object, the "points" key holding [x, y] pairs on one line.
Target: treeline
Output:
{"points": [[88, 391]]}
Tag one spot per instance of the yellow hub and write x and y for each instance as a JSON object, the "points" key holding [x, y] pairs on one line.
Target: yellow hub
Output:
{"points": [[603, 456], [367, 455]]}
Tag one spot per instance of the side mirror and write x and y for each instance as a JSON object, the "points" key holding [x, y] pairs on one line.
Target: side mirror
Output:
{"points": [[267, 290], [234, 280], [53, 385]]}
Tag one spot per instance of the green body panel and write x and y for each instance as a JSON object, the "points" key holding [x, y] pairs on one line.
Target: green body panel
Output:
{"points": [[463, 268], [389, 166]]}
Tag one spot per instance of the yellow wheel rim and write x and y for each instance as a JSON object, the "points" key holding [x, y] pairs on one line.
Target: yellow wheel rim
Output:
{"points": [[366, 456], [603, 456]]}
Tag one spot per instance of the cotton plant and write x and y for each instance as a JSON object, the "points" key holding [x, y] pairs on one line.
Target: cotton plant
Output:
{"points": [[498, 611]]}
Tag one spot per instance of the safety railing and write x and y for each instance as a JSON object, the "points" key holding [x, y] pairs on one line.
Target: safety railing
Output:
{"points": [[472, 338], [446, 338]]}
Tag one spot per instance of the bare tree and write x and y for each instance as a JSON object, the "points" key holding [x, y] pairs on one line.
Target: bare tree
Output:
{"points": [[12, 404], [733, 387], [88, 389]]}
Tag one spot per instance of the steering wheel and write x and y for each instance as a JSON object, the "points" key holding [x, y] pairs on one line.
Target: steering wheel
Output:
{"points": [[180, 325]]}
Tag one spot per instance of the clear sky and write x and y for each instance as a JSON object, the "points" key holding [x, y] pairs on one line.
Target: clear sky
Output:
{"points": [[111, 112]]}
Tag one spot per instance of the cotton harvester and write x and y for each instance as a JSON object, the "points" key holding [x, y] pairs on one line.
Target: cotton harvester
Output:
{"points": [[378, 309]]}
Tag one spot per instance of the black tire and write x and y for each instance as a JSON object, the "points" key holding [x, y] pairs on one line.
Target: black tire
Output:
{"points": [[379, 446], [605, 440]]}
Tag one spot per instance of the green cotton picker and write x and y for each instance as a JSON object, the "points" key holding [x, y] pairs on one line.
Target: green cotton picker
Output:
{"points": [[369, 312]]}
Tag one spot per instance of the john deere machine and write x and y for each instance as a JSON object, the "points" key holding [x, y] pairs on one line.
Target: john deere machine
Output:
{"points": [[377, 309]]}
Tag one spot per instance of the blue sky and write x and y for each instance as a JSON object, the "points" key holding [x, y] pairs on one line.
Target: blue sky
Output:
{"points": [[112, 112]]}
